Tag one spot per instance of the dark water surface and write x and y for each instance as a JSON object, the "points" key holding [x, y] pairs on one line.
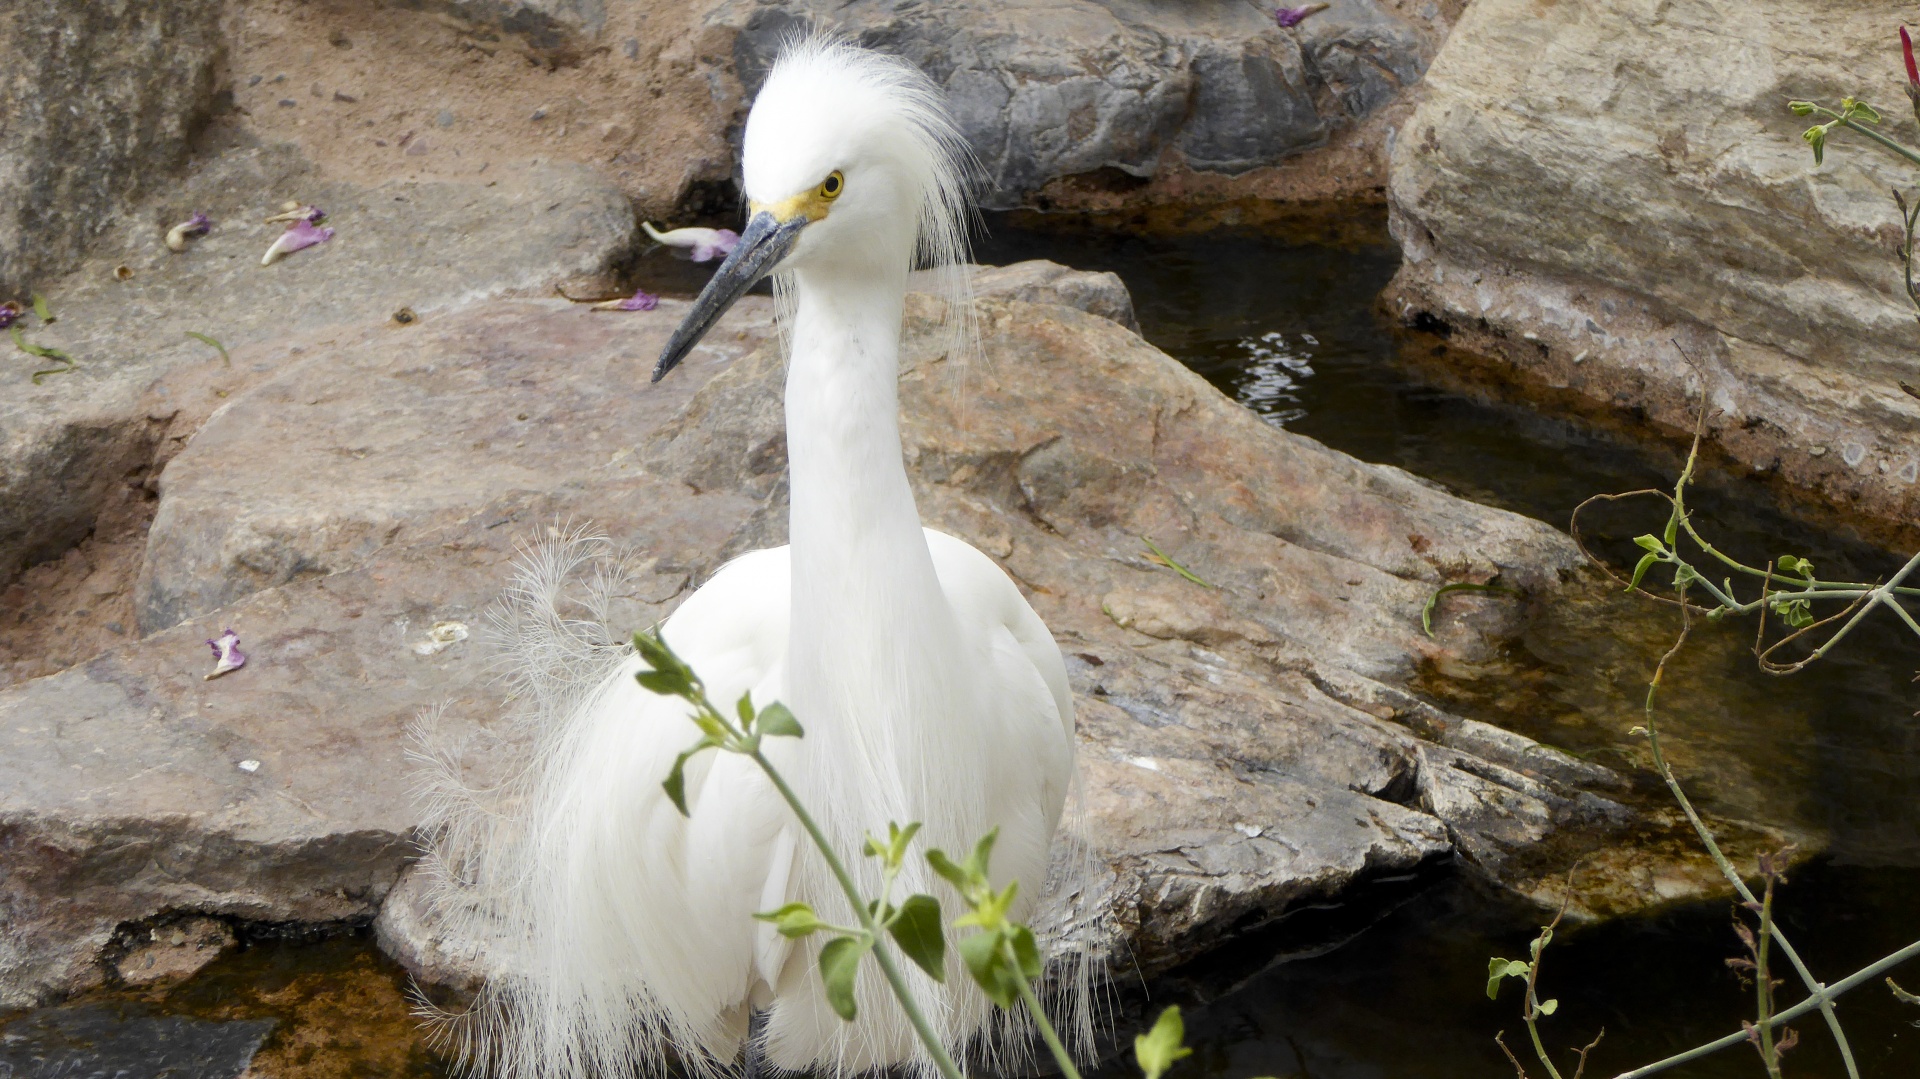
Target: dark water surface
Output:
{"points": [[1289, 327]]}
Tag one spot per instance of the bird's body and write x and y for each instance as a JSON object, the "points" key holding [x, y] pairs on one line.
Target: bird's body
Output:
{"points": [[929, 689]]}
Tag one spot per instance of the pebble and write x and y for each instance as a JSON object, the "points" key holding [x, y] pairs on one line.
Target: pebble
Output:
{"points": [[445, 119]]}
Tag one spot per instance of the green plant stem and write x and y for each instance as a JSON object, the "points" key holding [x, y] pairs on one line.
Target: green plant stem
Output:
{"points": [[897, 981], [1763, 987], [1881, 139], [1821, 999], [1533, 1030], [1726, 866], [1047, 1033]]}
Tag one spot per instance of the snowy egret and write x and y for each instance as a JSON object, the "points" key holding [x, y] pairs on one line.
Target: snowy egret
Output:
{"points": [[929, 688]]}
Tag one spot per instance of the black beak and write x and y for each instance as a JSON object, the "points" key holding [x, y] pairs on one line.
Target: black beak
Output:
{"points": [[760, 249]]}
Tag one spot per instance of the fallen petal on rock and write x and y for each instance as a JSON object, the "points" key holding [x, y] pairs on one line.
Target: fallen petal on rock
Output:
{"points": [[1294, 16], [641, 300], [301, 234], [226, 656], [249, 766], [705, 244], [197, 225], [312, 215]]}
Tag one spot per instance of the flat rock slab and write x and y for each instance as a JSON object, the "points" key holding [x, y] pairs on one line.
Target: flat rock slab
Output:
{"points": [[1246, 746], [142, 385]]}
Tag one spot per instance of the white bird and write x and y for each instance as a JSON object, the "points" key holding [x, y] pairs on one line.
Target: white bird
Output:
{"points": [[929, 689]]}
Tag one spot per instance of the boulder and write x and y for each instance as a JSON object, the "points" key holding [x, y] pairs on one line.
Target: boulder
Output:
{"points": [[73, 443], [1247, 746], [1046, 90], [1587, 190], [101, 98]]}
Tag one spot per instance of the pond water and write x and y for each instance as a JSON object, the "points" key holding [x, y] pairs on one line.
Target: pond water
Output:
{"points": [[1287, 324]]}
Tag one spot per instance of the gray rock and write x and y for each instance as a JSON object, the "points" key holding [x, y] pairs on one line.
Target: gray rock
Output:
{"points": [[1040, 281], [559, 31], [1225, 784], [142, 386], [1045, 89], [100, 99], [103, 1040], [1586, 185]]}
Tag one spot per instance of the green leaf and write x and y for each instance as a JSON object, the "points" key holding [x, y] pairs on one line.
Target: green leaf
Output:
{"points": [[654, 649], [1797, 613], [218, 347], [1800, 108], [985, 961], [982, 854], [1166, 560], [42, 352], [839, 963], [1816, 137], [775, 721], [1860, 110], [916, 929], [900, 839], [1500, 969], [676, 782], [744, 709], [1640, 569], [948, 871], [1548, 1007], [1650, 542], [1158, 1049], [41, 311], [1426, 612], [665, 683], [1026, 951], [795, 920]]}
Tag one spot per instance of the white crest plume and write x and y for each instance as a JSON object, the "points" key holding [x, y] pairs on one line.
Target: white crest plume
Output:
{"points": [[817, 66]]}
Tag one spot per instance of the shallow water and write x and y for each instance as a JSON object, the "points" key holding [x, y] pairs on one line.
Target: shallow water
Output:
{"points": [[1290, 329]]}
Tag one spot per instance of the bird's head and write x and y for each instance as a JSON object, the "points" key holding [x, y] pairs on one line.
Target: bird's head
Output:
{"points": [[851, 165]]}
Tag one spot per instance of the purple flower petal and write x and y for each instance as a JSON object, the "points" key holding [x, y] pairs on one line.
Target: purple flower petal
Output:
{"points": [[1294, 16], [641, 300], [226, 654], [10, 313], [301, 234], [704, 244], [196, 225]]}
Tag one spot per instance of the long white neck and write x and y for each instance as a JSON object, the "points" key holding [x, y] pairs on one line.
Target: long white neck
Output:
{"points": [[872, 636]]}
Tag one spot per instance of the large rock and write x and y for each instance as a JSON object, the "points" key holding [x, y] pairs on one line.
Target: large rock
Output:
{"points": [[100, 99], [73, 443], [1045, 89], [1586, 184], [1246, 745]]}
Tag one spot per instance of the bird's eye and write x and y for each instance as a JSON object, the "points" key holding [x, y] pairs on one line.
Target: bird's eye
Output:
{"points": [[831, 187]]}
